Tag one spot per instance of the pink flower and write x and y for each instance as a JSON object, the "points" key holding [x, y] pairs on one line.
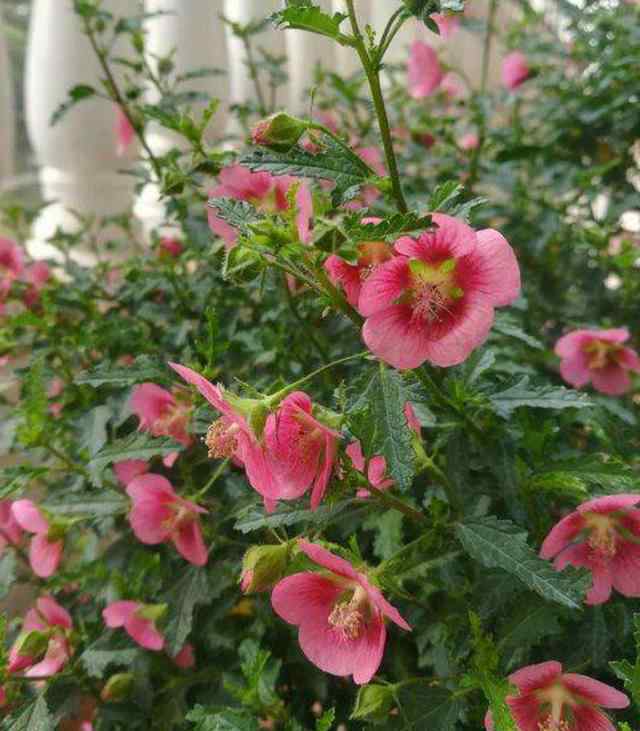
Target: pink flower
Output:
{"points": [[300, 450], [10, 530], [351, 276], [602, 536], [36, 276], [11, 264], [231, 435], [129, 468], [268, 193], [425, 72], [125, 134], [170, 245], [45, 549], [339, 613], [452, 86], [550, 700], [435, 301], [185, 659], [161, 414], [159, 515], [447, 24], [376, 470], [515, 69], [469, 141], [43, 644], [138, 621], [597, 356]]}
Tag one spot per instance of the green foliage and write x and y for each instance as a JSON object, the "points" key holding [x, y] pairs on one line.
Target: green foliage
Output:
{"points": [[522, 394], [35, 717], [303, 15], [628, 672], [143, 369]]}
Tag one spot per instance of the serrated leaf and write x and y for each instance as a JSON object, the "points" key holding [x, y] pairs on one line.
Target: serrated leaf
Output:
{"points": [[7, 572], [526, 630], [396, 224], [255, 518], [444, 195], [389, 533], [101, 505], [629, 672], [35, 717], [377, 419], [521, 394], [501, 544], [192, 589], [238, 214], [575, 476], [423, 707], [143, 369], [221, 720], [505, 326], [109, 650], [139, 445], [311, 18], [334, 163]]}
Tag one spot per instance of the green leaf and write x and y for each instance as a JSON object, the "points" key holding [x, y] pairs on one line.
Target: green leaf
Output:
{"points": [[99, 505], [505, 326], [238, 214], [627, 672], [112, 649], [189, 591], [389, 533], [334, 163], [377, 419], [522, 394], [528, 628], [501, 544], [7, 572], [445, 195], [226, 720], [143, 369], [253, 518], [398, 223], [578, 477], [423, 707], [139, 445], [311, 18], [35, 717], [75, 95], [325, 723]]}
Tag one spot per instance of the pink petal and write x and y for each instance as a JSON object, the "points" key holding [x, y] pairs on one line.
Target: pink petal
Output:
{"points": [[500, 273], [125, 134], [600, 590], [612, 380], [149, 402], [377, 471], [609, 503], [354, 452], [151, 487], [561, 535], [170, 459], [190, 544], [55, 659], [144, 632], [594, 691], [221, 228], [572, 343], [588, 718], [394, 337], [385, 608], [384, 286], [322, 480], [629, 359], [450, 238], [54, 614], [369, 651], [625, 569], [305, 597], [488, 722], [328, 560], [185, 659], [613, 335], [126, 470], [149, 521], [304, 203], [34, 620], [45, 555], [342, 273], [515, 69], [117, 614], [424, 71], [575, 370], [447, 24], [29, 517], [576, 554], [11, 530], [526, 711], [537, 676]]}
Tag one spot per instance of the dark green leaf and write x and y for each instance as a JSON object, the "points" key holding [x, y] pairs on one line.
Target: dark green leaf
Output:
{"points": [[190, 590], [99, 505], [139, 445], [143, 369], [396, 224], [255, 518], [112, 649], [305, 16], [76, 94], [521, 394], [35, 717], [423, 707]]}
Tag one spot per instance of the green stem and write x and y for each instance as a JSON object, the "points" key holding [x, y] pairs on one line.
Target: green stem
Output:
{"points": [[212, 480], [394, 503], [253, 73], [372, 72], [389, 34]]}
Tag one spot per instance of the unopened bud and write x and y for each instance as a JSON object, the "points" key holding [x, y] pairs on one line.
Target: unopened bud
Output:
{"points": [[280, 131], [117, 688], [263, 566], [32, 644], [374, 702]]}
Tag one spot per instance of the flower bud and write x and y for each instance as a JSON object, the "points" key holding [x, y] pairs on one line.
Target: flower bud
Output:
{"points": [[117, 688], [153, 612], [279, 131], [374, 702], [31, 644], [263, 566]]}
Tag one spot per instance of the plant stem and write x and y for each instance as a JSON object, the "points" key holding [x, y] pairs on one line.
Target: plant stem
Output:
{"points": [[253, 73], [395, 503], [212, 480], [372, 72]]}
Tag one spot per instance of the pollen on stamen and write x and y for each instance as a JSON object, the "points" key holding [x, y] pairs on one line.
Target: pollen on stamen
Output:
{"points": [[347, 620], [220, 440], [429, 303], [550, 725]]}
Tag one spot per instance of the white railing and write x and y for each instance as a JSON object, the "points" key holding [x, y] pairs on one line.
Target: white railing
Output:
{"points": [[79, 167]]}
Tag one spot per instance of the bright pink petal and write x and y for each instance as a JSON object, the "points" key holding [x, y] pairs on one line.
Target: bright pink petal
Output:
{"points": [[384, 286], [369, 651], [328, 560], [117, 614], [10, 530], [394, 337], [54, 614], [305, 597], [55, 659], [190, 544], [383, 606], [447, 24], [562, 534], [144, 632], [377, 472], [629, 359], [488, 722], [609, 503], [594, 691], [321, 483], [149, 521], [576, 554], [125, 133], [29, 517], [342, 273], [151, 487], [575, 370], [625, 569], [126, 470], [571, 343], [304, 204], [515, 69], [45, 555], [612, 380], [424, 70], [613, 335], [588, 718], [499, 277], [150, 402], [600, 590], [525, 710], [354, 452], [537, 676]]}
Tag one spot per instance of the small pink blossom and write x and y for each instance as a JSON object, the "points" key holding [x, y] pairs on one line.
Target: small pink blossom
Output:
{"points": [[550, 700], [171, 246], [447, 24], [185, 659], [162, 414], [159, 515], [10, 530], [231, 435], [126, 470], [268, 193], [11, 265], [515, 70], [138, 621], [375, 470], [125, 134], [45, 549], [452, 85], [36, 276], [340, 615], [602, 535], [55, 626], [469, 141], [300, 450], [425, 72], [598, 356], [435, 300]]}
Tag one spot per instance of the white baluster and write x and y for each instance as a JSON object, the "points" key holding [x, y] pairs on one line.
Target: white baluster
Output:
{"points": [[80, 167], [244, 11], [196, 35], [7, 114]]}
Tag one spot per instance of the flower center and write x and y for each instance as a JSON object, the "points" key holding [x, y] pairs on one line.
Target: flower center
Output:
{"points": [[347, 617], [433, 289], [221, 439], [172, 418], [557, 697], [602, 534], [602, 353]]}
